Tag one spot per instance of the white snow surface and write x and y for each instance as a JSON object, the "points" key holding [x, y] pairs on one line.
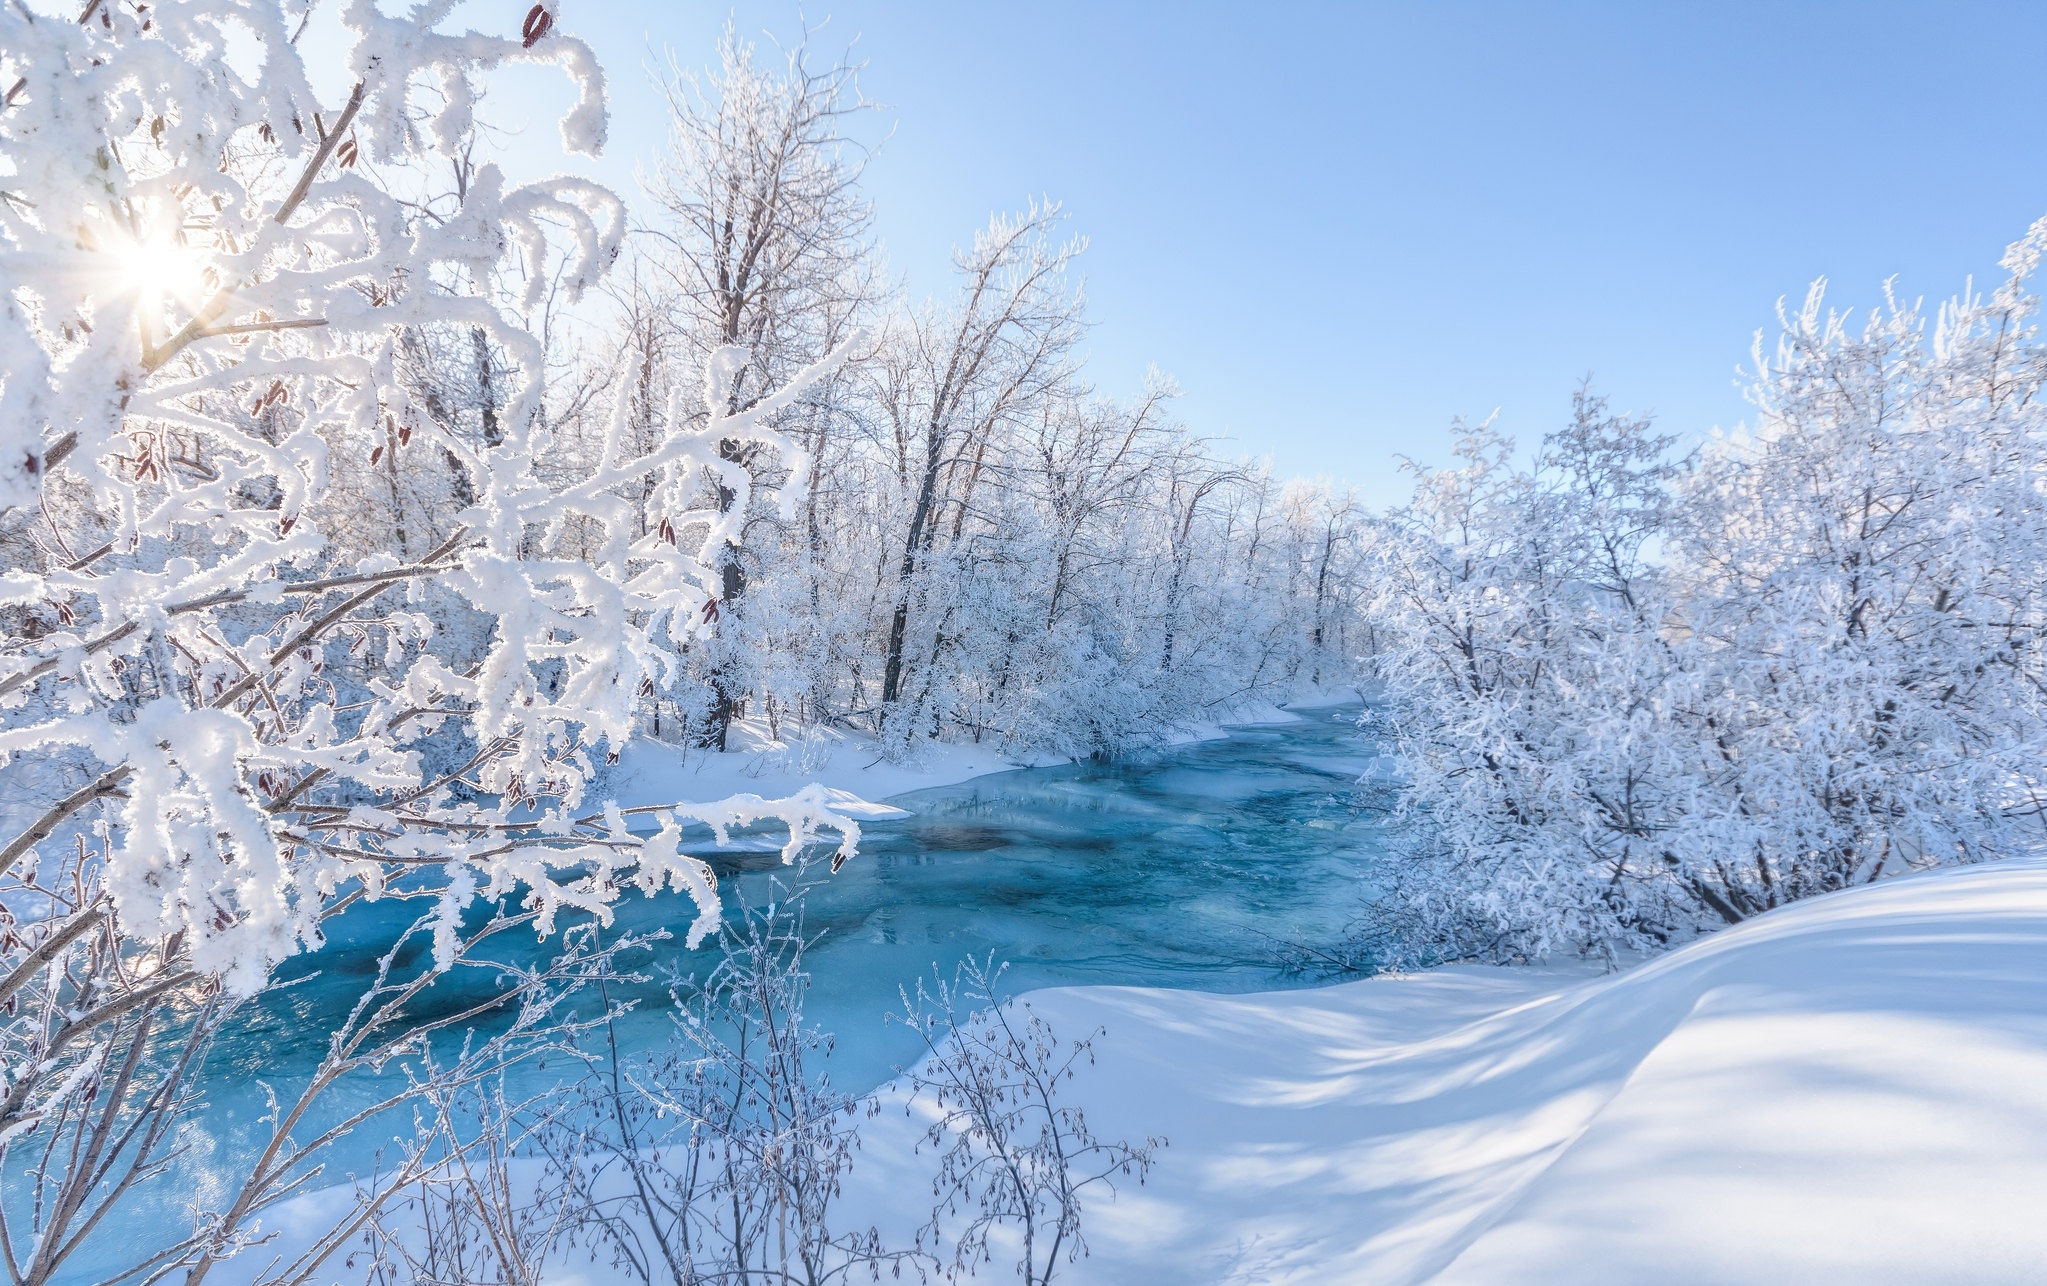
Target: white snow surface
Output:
{"points": [[851, 766], [1852, 1089]]}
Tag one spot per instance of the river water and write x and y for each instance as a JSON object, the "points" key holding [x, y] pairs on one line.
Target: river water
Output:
{"points": [[1189, 868]]}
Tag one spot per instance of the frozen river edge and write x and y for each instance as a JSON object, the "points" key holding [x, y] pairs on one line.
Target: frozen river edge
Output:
{"points": [[852, 766]]}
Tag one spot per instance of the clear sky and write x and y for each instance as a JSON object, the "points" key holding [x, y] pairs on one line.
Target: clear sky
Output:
{"points": [[1339, 226]]}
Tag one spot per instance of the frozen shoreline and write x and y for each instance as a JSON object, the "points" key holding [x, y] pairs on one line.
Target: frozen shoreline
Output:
{"points": [[654, 772]]}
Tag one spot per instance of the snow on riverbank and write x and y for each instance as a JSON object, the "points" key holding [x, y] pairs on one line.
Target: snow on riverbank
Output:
{"points": [[1853, 1089], [653, 772]]}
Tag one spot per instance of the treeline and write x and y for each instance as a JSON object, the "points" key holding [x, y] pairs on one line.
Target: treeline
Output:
{"points": [[985, 549]]}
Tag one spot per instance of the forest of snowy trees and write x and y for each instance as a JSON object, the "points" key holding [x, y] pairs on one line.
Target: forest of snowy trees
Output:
{"points": [[359, 505], [956, 537]]}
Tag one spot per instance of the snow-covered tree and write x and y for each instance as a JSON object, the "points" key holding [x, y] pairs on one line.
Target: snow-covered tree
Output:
{"points": [[1522, 668], [764, 247], [233, 706], [950, 380], [1867, 573]]}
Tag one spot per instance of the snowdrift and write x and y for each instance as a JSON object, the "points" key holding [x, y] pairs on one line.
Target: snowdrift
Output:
{"points": [[1853, 1089]]}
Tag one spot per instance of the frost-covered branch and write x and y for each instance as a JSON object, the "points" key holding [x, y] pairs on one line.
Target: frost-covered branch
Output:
{"points": [[258, 700]]}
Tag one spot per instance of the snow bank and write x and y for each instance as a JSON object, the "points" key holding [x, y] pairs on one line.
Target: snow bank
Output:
{"points": [[851, 766], [1853, 1089]]}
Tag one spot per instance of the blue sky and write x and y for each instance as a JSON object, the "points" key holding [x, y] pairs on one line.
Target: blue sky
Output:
{"points": [[1339, 226]]}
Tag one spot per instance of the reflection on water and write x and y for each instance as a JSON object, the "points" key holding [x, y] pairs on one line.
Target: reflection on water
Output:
{"points": [[1179, 870]]}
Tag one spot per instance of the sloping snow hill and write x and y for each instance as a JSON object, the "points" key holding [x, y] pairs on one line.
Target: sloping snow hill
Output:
{"points": [[1853, 1089]]}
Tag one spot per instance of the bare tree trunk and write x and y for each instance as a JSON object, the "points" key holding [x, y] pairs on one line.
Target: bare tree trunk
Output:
{"points": [[899, 622]]}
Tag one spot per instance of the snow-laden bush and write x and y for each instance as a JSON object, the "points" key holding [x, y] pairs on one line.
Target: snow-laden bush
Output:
{"points": [[1633, 699]]}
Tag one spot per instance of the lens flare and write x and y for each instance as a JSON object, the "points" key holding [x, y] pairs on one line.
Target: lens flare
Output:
{"points": [[159, 267]]}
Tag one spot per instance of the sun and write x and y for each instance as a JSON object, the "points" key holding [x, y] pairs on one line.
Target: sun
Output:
{"points": [[156, 267]]}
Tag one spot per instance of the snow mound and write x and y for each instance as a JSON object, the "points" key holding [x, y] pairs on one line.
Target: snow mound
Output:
{"points": [[1853, 1089], [850, 766]]}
